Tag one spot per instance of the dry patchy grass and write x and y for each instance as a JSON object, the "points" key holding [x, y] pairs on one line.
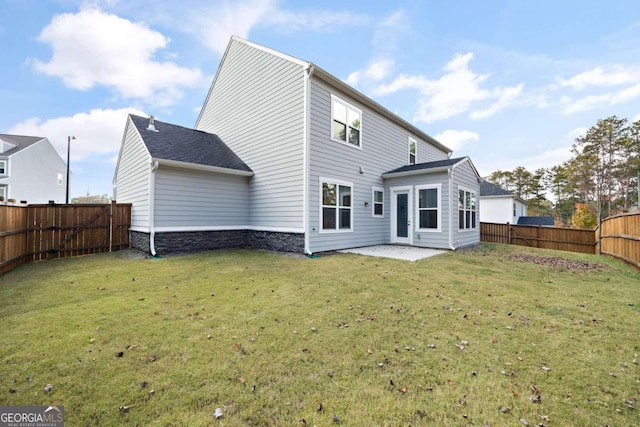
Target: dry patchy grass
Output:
{"points": [[489, 336]]}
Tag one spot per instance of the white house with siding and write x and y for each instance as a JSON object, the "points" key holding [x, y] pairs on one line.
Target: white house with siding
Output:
{"points": [[318, 166], [31, 170], [500, 206]]}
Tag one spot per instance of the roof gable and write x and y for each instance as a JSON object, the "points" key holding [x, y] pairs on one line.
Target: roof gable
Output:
{"points": [[430, 167], [19, 143], [179, 144]]}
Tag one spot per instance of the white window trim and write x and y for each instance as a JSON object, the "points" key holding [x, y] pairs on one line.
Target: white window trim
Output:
{"points": [[467, 189], [334, 98], [438, 187], [373, 202], [415, 160], [6, 167], [323, 180]]}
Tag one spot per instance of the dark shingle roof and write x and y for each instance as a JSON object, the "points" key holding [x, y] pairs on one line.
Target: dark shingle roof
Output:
{"points": [[21, 142], [173, 142], [490, 189], [428, 165], [535, 220]]}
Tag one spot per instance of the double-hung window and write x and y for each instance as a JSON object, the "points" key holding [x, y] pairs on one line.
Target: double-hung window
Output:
{"points": [[378, 202], [413, 151], [3, 167], [336, 200], [429, 212], [467, 202], [346, 124]]}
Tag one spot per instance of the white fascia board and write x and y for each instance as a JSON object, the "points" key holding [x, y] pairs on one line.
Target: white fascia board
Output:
{"points": [[270, 51], [192, 228], [206, 168], [415, 172]]}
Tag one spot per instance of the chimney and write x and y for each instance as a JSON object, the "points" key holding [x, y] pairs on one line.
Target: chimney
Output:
{"points": [[152, 126]]}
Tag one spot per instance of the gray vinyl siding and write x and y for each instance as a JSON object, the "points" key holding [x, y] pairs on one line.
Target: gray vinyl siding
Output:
{"points": [[384, 148], [132, 177], [256, 106], [465, 176], [431, 239], [191, 198], [33, 174]]}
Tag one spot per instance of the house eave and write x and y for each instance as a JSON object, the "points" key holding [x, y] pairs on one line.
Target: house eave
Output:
{"points": [[415, 172], [206, 168]]}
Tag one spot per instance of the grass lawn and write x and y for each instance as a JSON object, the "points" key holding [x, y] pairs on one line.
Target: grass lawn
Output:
{"points": [[497, 335]]}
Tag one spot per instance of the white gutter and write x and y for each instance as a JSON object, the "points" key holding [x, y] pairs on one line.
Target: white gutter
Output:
{"points": [[152, 185], [195, 166], [308, 72], [450, 174]]}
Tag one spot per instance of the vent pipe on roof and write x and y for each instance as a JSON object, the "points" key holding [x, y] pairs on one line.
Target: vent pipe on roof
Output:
{"points": [[152, 125]]}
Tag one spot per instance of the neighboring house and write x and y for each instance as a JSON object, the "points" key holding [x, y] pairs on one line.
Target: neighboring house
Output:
{"points": [[499, 206], [31, 170], [308, 164]]}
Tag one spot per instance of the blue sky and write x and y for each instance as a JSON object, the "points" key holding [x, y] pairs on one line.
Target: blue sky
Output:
{"points": [[509, 83]]}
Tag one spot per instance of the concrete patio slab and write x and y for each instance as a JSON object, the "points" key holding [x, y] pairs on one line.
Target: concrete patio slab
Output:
{"points": [[406, 253]]}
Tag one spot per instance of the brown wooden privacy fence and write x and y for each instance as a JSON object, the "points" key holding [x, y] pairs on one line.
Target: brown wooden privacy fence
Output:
{"points": [[620, 237], [42, 232], [559, 238]]}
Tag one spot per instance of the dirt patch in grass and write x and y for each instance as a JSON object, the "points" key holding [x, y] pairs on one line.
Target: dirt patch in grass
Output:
{"points": [[559, 263]]}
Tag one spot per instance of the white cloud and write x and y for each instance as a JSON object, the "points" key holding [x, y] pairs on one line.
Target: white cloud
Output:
{"points": [[376, 71], [456, 139], [215, 24], [505, 95], [636, 118], [314, 20], [577, 132], [453, 93], [92, 48], [592, 102], [615, 75], [98, 132]]}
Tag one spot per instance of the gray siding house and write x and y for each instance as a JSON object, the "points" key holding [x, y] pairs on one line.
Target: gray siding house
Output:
{"points": [[31, 170], [319, 166]]}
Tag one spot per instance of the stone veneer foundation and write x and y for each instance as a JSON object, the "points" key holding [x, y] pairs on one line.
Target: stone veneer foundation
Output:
{"points": [[194, 241]]}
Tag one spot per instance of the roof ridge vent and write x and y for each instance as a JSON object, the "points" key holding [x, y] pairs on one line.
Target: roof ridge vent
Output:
{"points": [[152, 124]]}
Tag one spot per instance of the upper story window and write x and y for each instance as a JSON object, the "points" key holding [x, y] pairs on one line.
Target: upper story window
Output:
{"points": [[346, 125], [466, 209], [413, 151], [3, 167], [336, 213], [60, 179], [378, 202], [429, 207]]}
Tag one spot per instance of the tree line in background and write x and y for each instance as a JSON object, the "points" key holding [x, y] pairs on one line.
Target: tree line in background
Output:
{"points": [[602, 178]]}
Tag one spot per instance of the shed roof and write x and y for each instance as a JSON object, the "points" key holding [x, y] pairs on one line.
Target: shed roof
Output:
{"points": [[429, 167], [536, 220], [184, 145]]}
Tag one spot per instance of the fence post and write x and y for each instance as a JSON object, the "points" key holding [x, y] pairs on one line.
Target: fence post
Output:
{"points": [[509, 232]]}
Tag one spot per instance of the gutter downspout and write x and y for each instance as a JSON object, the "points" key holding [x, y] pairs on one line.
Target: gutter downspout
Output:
{"points": [[450, 175], [308, 72], [152, 187]]}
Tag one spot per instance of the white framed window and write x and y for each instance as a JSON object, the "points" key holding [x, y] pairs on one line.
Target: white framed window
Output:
{"points": [[346, 122], [3, 167], [413, 151], [60, 180], [467, 209], [336, 206], [3, 192], [377, 198], [429, 207]]}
